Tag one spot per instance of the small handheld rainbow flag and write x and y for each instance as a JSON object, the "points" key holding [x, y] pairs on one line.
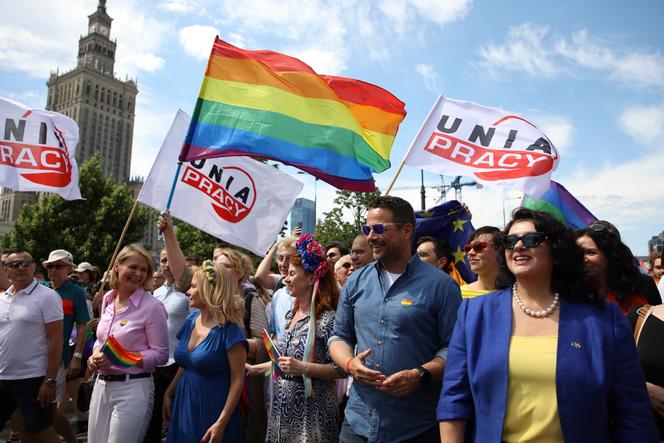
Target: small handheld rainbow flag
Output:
{"points": [[118, 354], [273, 352]]}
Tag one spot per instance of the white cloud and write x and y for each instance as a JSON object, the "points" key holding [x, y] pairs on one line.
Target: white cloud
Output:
{"points": [[560, 130], [181, 6], [197, 40], [321, 60], [37, 40], [537, 52], [333, 31], [644, 124], [431, 78], [523, 51], [32, 99]]}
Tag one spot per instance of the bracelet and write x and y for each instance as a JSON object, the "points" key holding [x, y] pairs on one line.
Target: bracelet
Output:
{"points": [[348, 365], [77, 355]]}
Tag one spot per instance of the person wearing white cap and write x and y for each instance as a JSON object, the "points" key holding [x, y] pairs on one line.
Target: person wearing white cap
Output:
{"points": [[59, 264]]}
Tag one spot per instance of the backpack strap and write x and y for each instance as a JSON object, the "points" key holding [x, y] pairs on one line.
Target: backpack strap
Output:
{"points": [[248, 298], [642, 314]]}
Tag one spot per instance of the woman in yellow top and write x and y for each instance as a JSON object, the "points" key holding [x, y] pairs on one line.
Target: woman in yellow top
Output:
{"points": [[482, 251], [545, 359]]}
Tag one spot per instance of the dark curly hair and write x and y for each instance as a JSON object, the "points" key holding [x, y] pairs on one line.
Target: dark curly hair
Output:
{"points": [[622, 276], [328, 290], [568, 275]]}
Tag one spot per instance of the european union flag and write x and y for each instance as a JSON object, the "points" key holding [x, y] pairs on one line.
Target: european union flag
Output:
{"points": [[448, 222]]}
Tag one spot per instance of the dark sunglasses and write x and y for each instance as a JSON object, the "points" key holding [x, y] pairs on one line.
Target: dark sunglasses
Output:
{"points": [[346, 265], [600, 229], [477, 246], [378, 228], [19, 263], [532, 240]]}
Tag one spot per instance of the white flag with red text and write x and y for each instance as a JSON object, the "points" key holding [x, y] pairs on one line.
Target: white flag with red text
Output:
{"points": [[236, 199], [490, 145], [38, 150]]}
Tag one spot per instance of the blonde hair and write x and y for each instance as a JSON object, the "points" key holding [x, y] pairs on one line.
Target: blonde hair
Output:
{"points": [[286, 242], [127, 252], [220, 297], [241, 261]]}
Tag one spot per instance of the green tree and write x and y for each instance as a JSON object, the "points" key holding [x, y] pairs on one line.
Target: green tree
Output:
{"points": [[88, 228], [335, 227]]}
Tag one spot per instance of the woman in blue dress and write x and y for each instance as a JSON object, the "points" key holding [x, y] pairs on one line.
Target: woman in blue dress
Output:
{"points": [[296, 417], [201, 404]]}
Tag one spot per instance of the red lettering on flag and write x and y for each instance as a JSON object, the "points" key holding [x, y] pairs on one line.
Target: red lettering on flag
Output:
{"points": [[50, 164], [493, 164]]}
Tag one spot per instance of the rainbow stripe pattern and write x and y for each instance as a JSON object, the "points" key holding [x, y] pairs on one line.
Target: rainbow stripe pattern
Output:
{"points": [[266, 104], [115, 352], [273, 352], [406, 302]]}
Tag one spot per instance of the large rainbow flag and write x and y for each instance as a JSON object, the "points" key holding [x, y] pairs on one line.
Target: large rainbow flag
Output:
{"points": [[269, 105]]}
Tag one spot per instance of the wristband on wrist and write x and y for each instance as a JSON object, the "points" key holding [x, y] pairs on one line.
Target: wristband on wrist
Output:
{"points": [[77, 355], [348, 365]]}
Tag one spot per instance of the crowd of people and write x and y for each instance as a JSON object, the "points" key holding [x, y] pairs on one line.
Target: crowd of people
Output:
{"points": [[378, 341]]}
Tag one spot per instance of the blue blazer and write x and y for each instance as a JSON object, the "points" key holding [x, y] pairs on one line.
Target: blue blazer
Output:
{"points": [[599, 384]]}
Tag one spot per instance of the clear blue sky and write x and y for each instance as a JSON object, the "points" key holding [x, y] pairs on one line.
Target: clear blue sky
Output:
{"points": [[590, 74]]}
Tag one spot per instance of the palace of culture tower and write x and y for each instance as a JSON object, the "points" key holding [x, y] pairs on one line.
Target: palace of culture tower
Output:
{"points": [[101, 104]]}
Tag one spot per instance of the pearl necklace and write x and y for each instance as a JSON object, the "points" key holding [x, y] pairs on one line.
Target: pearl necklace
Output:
{"points": [[538, 314]]}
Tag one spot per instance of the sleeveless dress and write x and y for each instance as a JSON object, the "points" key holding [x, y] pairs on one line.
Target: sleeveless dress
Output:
{"points": [[202, 390]]}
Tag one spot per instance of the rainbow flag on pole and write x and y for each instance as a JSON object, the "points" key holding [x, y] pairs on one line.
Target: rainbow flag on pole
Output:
{"points": [[269, 105], [118, 354]]}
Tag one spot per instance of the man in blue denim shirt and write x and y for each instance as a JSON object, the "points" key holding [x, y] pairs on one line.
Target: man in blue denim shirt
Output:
{"points": [[398, 312]]}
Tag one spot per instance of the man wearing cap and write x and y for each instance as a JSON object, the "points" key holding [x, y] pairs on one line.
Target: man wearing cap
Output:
{"points": [[59, 264], [30, 348]]}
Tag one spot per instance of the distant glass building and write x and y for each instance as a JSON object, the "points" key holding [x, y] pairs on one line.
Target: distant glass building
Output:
{"points": [[304, 211]]}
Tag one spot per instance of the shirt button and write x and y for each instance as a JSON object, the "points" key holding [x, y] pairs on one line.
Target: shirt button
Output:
{"points": [[382, 322], [380, 342], [378, 365]]}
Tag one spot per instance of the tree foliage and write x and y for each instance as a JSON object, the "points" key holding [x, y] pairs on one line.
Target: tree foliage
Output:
{"points": [[88, 228], [335, 225]]}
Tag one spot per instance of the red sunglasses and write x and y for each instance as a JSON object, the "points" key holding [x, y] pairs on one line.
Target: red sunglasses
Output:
{"points": [[477, 246]]}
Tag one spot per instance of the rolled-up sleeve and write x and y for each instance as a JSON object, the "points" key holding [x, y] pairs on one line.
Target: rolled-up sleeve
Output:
{"points": [[156, 331], [344, 323], [456, 401]]}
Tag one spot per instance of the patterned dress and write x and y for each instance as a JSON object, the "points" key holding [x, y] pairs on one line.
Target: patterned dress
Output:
{"points": [[293, 417]]}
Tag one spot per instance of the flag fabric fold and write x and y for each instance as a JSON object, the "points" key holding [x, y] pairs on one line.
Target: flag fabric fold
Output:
{"points": [[38, 150], [448, 221], [560, 203], [236, 199], [266, 104], [490, 145]]}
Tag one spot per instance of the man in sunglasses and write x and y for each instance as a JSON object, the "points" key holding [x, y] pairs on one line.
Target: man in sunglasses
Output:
{"points": [[30, 348], [399, 314], [59, 265], [342, 270]]}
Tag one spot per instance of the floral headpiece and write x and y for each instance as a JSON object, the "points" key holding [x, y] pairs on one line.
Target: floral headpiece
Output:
{"points": [[208, 270], [313, 255]]}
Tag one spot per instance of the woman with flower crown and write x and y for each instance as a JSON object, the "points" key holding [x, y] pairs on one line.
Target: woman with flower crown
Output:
{"points": [[201, 403], [304, 405]]}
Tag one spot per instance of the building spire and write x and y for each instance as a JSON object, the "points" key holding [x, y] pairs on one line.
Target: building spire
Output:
{"points": [[102, 6]]}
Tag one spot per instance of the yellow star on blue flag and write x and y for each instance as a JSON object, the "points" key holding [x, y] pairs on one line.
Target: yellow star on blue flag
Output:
{"points": [[458, 255], [458, 224]]}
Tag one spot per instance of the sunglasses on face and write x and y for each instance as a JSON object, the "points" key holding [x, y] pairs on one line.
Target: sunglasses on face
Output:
{"points": [[346, 265], [54, 266], [477, 246], [19, 263], [378, 228], [531, 240]]}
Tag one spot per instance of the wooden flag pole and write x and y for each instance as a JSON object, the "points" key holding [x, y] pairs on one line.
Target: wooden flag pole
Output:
{"points": [[117, 249], [394, 179]]}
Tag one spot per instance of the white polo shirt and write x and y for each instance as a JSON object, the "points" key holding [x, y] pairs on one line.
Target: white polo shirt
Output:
{"points": [[23, 342], [177, 307]]}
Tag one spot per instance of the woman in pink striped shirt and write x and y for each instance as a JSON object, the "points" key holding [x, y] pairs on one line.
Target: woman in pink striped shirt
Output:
{"points": [[121, 404]]}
